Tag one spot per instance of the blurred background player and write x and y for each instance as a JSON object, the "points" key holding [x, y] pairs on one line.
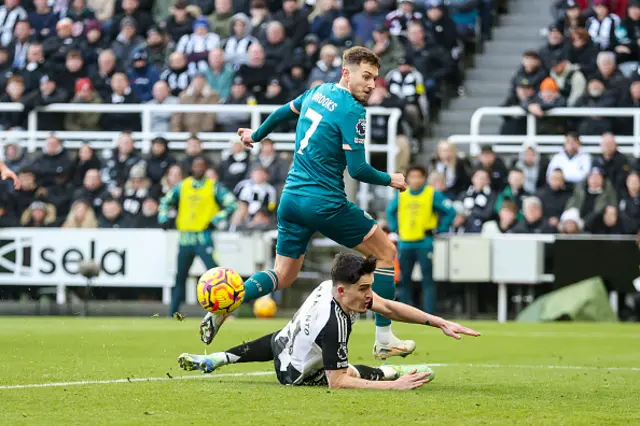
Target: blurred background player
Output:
{"points": [[417, 215], [202, 204], [330, 137], [319, 355]]}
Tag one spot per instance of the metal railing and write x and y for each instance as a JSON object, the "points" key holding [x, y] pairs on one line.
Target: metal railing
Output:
{"points": [[32, 138], [511, 144]]}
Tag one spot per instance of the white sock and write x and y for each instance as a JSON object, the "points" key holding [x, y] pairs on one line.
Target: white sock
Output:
{"points": [[389, 373], [384, 335], [231, 358]]}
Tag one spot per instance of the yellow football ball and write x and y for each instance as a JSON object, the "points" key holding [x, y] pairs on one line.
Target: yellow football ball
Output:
{"points": [[220, 290], [265, 307]]}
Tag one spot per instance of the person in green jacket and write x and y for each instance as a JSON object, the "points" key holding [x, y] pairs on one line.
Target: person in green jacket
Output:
{"points": [[513, 191]]}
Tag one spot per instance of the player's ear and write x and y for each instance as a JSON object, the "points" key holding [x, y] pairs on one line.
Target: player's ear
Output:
{"points": [[340, 289]]}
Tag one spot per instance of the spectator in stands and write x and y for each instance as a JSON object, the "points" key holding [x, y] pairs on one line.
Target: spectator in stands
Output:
{"points": [[631, 100], [19, 44], [5, 67], [74, 69], [159, 160], [38, 215], [572, 20], [571, 222], [56, 47], [14, 93], [610, 75], [342, 36], [568, 77], [613, 162], [309, 54], [446, 161], [34, 69], [15, 158], [547, 98], [277, 168], [554, 197], [234, 169], [592, 197], [126, 41], [80, 14], [533, 221], [555, 45], [131, 10], [631, 25], [103, 9], [261, 222], [49, 93], [194, 149], [198, 93], [8, 218], [583, 52], [610, 222], [11, 12], [398, 19], [513, 191], [96, 42], [574, 163], [197, 45], [275, 94], [121, 94], [327, 69], [494, 165], [54, 160], [83, 121], [295, 80], [441, 28], [135, 191], [92, 190], [23, 197], [277, 48], [364, 22], [256, 74], [630, 201], [177, 75], [232, 121], [597, 96], [322, 17], [161, 120], [220, 21], [407, 83], [524, 95], [295, 22], [477, 202], [85, 161], [118, 166], [43, 20], [58, 192], [254, 194], [158, 47], [148, 217], [534, 167], [112, 215], [260, 17], [101, 77], [142, 75], [507, 219], [602, 25], [236, 47], [531, 70], [388, 48], [81, 216], [180, 22], [219, 74], [170, 180]]}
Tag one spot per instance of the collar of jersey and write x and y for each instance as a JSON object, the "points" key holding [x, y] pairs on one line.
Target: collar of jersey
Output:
{"points": [[339, 307]]}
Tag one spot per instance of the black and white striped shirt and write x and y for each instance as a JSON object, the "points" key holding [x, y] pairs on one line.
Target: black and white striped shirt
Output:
{"points": [[257, 196], [8, 19], [235, 50]]}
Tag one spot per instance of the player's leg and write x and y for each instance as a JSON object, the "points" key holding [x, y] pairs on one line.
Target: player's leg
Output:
{"points": [[387, 372], [408, 259], [258, 350], [186, 255], [429, 297]]}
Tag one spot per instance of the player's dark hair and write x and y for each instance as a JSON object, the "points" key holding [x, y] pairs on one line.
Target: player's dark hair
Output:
{"points": [[417, 168], [357, 55], [348, 268]]}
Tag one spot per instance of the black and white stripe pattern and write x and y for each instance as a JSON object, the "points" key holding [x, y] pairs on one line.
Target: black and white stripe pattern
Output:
{"points": [[8, 19], [342, 320]]}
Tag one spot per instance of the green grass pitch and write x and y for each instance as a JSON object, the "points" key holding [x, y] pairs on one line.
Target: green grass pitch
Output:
{"points": [[513, 374]]}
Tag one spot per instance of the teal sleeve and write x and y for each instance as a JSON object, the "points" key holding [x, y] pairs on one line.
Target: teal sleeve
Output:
{"points": [[353, 128], [171, 199], [227, 202], [360, 170], [446, 213], [281, 115], [392, 214]]}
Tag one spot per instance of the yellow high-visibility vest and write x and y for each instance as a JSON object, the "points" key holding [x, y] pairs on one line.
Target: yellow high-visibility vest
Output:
{"points": [[197, 206], [416, 215]]}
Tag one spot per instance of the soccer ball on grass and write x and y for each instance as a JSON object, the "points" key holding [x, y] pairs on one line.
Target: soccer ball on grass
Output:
{"points": [[220, 290]]}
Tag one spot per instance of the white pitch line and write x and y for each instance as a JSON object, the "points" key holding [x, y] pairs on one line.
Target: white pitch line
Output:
{"points": [[268, 373]]}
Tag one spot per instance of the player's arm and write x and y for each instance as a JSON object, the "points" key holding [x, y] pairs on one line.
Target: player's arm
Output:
{"points": [[169, 200], [397, 311], [7, 173], [226, 201], [446, 212]]}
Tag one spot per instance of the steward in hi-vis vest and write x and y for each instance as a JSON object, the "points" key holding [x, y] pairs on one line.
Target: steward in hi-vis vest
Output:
{"points": [[417, 215], [202, 204]]}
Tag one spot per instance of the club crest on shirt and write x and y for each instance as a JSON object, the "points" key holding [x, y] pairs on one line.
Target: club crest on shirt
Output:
{"points": [[361, 127]]}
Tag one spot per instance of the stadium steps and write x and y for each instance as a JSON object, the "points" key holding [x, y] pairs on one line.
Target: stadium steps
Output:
{"points": [[487, 83]]}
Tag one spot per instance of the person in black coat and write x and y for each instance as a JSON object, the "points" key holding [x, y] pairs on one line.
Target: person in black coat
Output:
{"points": [[630, 201], [236, 167], [148, 217], [112, 216], [555, 45], [23, 197], [159, 160], [533, 221], [453, 168], [48, 94], [54, 160], [597, 96], [615, 164], [294, 20], [92, 190], [119, 165], [86, 160], [57, 47], [74, 69], [495, 166], [101, 75], [554, 197], [8, 218], [611, 222], [35, 67], [121, 93], [477, 202], [14, 93], [531, 70], [180, 22], [583, 52]]}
